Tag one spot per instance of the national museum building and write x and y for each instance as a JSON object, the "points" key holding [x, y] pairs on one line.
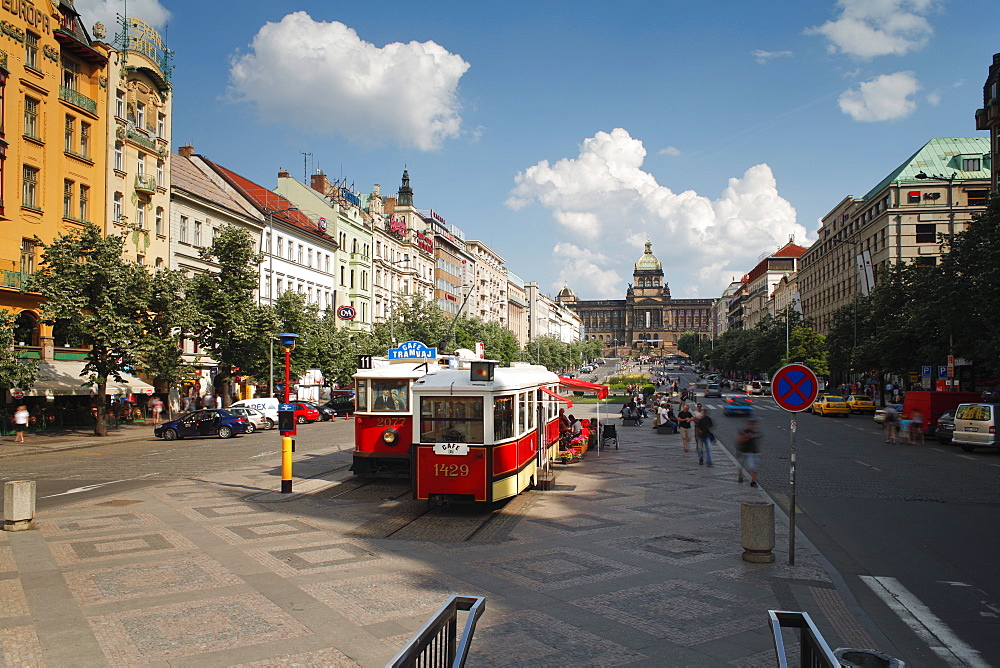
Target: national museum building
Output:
{"points": [[647, 321]]}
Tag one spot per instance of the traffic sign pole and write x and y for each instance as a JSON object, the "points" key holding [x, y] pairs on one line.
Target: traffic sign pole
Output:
{"points": [[794, 388]]}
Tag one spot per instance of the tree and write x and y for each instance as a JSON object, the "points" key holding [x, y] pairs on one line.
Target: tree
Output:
{"points": [[171, 314], [807, 347], [104, 299], [232, 324], [14, 373]]}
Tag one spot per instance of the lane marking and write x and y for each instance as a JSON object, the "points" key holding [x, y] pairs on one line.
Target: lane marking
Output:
{"points": [[87, 488], [928, 627], [814, 442], [968, 457], [868, 465]]}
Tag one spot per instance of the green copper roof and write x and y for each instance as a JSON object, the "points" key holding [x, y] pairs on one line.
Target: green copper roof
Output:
{"points": [[941, 157], [648, 261]]}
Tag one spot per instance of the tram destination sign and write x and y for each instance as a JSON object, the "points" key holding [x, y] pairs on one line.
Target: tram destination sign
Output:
{"points": [[413, 350], [451, 449], [794, 387]]}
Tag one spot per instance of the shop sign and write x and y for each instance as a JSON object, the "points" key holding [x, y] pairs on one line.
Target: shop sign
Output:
{"points": [[27, 12], [437, 217], [346, 312], [396, 225], [425, 243], [17, 394], [412, 350], [350, 197]]}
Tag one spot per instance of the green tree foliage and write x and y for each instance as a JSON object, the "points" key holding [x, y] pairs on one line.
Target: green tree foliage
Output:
{"points": [[171, 314], [498, 341], [807, 347], [694, 346], [14, 373], [232, 325], [295, 315], [103, 298]]}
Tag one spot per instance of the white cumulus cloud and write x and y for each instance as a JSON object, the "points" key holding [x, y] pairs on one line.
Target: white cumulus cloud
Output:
{"points": [[869, 28], [670, 150], [764, 57], [602, 199], [105, 11], [323, 78], [885, 98]]}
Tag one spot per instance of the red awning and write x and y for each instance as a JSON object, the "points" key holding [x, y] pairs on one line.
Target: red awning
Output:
{"points": [[574, 384], [569, 404]]}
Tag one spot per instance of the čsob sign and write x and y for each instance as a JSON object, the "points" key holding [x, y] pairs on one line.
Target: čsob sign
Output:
{"points": [[412, 350]]}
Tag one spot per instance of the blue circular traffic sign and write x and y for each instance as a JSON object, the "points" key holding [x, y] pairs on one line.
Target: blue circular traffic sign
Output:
{"points": [[794, 387]]}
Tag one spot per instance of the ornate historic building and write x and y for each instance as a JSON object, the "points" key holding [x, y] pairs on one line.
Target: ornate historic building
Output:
{"points": [[648, 320]]}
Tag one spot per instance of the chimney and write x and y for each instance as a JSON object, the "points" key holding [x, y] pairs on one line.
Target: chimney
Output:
{"points": [[186, 151], [283, 174], [320, 183]]}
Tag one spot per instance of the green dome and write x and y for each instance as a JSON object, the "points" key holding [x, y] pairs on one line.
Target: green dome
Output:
{"points": [[648, 261]]}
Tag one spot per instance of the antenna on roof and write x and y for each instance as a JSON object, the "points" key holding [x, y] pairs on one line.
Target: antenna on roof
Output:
{"points": [[305, 166]]}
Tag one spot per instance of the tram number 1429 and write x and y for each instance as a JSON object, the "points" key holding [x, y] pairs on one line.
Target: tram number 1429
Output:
{"points": [[451, 470]]}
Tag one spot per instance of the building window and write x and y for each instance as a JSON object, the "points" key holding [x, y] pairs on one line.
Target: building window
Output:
{"points": [[140, 163], [68, 189], [159, 173], [140, 216], [183, 231], [352, 279], [140, 115], [70, 73], [27, 256], [342, 275], [159, 221], [84, 202], [161, 126], [971, 164], [281, 286], [120, 103], [926, 233], [280, 246], [85, 139], [978, 197], [29, 187], [310, 257], [327, 263], [31, 117], [300, 254], [197, 233], [117, 205], [69, 144], [925, 261], [31, 50]]}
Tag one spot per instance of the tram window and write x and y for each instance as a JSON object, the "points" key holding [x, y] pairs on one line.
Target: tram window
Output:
{"points": [[522, 404], [361, 401], [451, 420], [389, 395], [531, 410], [503, 418]]}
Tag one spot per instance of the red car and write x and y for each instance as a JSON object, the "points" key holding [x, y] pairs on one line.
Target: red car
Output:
{"points": [[304, 413]]}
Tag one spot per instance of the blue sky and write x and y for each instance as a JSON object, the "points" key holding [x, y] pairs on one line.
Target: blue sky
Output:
{"points": [[564, 134]]}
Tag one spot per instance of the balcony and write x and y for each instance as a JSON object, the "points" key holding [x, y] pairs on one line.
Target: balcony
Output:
{"points": [[13, 279], [145, 184], [77, 99]]}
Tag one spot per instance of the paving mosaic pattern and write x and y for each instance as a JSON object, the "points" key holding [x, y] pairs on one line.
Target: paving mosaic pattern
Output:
{"points": [[7, 563], [763, 573], [683, 612], [173, 631], [678, 549], [672, 510], [596, 495], [558, 568], [324, 658], [387, 596], [12, 600], [258, 529], [530, 638], [578, 524], [109, 522], [90, 587], [19, 646], [70, 552], [226, 510], [302, 559], [386, 521]]}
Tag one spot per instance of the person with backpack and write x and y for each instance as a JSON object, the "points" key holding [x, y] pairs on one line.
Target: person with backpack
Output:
{"points": [[748, 451]]}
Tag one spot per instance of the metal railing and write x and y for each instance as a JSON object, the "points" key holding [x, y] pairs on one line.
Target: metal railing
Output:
{"points": [[437, 644], [813, 650], [77, 99]]}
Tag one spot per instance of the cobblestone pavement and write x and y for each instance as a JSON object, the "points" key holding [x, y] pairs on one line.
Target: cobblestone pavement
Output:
{"points": [[633, 559]]}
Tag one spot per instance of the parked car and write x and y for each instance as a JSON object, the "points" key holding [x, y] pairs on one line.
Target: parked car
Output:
{"points": [[738, 404], [713, 390], [256, 419], [945, 427], [205, 422], [753, 387], [976, 425], [861, 403], [325, 414], [341, 404], [830, 404], [880, 412], [305, 413], [266, 405]]}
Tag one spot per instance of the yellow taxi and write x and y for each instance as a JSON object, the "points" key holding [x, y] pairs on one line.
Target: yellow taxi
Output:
{"points": [[860, 403], [830, 404]]}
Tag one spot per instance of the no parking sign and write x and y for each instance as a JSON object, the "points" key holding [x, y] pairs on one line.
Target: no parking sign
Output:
{"points": [[794, 387]]}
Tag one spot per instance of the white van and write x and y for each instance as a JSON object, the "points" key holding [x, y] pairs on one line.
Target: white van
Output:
{"points": [[266, 405], [976, 425]]}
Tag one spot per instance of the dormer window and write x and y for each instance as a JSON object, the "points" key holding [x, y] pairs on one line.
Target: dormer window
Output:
{"points": [[971, 164]]}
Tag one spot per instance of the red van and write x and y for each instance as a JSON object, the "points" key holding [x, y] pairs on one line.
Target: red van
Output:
{"points": [[934, 404]]}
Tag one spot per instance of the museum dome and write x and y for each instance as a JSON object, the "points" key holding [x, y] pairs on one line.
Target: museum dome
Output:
{"points": [[565, 294], [648, 261]]}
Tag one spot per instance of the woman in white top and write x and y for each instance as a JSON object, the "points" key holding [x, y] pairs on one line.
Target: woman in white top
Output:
{"points": [[21, 422]]}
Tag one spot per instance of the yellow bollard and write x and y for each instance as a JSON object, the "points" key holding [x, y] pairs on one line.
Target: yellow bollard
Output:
{"points": [[286, 464]]}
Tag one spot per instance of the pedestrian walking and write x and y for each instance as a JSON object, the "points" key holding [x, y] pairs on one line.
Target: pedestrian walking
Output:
{"points": [[21, 417], [156, 407], [704, 435], [891, 424], [916, 427], [748, 451], [684, 420]]}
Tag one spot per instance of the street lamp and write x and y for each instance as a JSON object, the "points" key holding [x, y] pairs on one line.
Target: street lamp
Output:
{"points": [[270, 285], [950, 180]]}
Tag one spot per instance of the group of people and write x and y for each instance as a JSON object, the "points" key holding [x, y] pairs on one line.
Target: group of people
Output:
{"points": [[903, 427]]}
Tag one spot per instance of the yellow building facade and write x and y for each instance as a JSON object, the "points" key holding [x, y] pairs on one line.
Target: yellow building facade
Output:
{"points": [[53, 138]]}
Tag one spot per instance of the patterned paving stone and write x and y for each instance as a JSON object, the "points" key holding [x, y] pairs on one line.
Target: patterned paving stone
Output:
{"points": [[672, 510], [324, 658], [675, 549], [109, 522], [19, 646], [197, 493], [672, 485], [547, 570], [7, 564], [388, 596], [578, 524], [12, 600], [70, 552], [213, 512], [90, 587], [317, 558], [682, 612], [256, 530], [597, 495], [187, 629], [530, 638], [763, 573]]}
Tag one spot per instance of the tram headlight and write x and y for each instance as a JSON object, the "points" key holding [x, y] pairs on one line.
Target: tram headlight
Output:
{"points": [[390, 436]]}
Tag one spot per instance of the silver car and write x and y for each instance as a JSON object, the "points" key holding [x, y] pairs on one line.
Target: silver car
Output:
{"points": [[256, 419]]}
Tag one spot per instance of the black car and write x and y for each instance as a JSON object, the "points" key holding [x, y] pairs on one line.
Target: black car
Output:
{"points": [[325, 414], [945, 427], [206, 422], [341, 404]]}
